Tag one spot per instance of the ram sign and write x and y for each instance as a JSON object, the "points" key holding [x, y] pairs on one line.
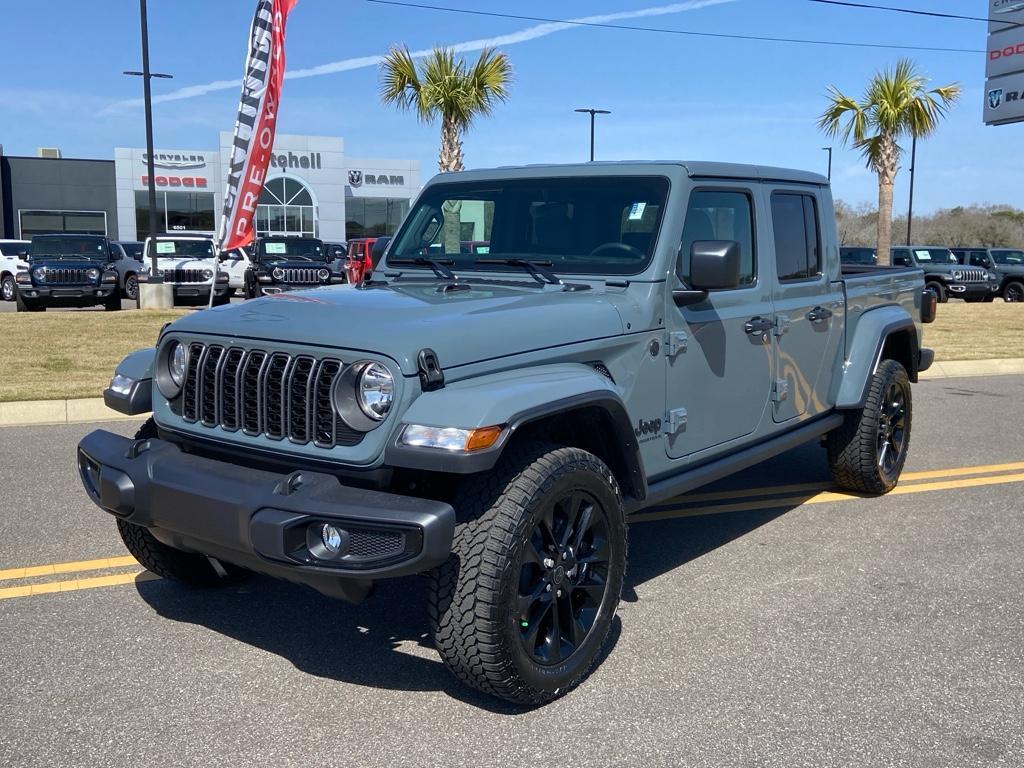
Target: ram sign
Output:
{"points": [[1004, 63]]}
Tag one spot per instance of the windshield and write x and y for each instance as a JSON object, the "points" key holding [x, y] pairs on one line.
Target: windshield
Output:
{"points": [[134, 250], [190, 249], [1009, 258], [70, 246], [857, 255], [13, 249], [595, 224], [281, 249], [935, 255]]}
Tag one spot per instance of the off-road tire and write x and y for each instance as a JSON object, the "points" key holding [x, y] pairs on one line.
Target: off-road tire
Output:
{"points": [[472, 596], [853, 450], [168, 562], [939, 290], [113, 302], [1013, 291], [8, 288], [27, 305]]}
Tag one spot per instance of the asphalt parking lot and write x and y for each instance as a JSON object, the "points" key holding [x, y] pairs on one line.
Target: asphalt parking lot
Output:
{"points": [[812, 629]]}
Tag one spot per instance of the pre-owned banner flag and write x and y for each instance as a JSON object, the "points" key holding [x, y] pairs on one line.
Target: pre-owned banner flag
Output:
{"points": [[257, 121]]}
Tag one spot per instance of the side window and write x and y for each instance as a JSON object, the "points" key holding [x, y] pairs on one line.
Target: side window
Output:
{"points": [[797, 240], [979, 259], [901, 258], [719, 215]]}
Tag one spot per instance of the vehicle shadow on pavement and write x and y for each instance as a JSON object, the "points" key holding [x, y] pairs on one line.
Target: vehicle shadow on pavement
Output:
{"points": [[382, 643], [385, 641]]}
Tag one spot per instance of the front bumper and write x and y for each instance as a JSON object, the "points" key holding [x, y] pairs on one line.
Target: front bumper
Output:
{"points": [[971, 290], [67, 291], [198, 290], [264, 521]]}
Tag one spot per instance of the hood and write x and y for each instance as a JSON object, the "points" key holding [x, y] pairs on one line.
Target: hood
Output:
{"points": [[398, 320]]}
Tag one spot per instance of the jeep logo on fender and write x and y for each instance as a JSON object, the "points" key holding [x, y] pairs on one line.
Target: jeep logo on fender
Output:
{"points": [[648, 427]]}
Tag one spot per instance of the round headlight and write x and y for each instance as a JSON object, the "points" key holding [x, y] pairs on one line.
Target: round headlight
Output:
{"points": [[278, 273], [39, 273], [93, 273], [176, 363], [324, 275], [958, 275], [207, 274], [375, 391]]}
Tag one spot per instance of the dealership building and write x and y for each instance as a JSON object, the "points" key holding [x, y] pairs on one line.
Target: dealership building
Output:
{"points": [[313, 188]]}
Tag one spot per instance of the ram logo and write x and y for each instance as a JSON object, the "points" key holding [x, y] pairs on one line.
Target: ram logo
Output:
{"points": [[995, 98], [355, 178]]}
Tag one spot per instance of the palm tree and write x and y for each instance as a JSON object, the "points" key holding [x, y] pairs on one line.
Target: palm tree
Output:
{"points": [[445, 87], [896, 104]]}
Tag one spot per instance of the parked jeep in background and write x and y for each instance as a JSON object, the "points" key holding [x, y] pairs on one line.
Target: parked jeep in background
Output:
{"points": [[359, 260], [284, 263], [13, 259], [944, 275], [236, 263], [1006, 263], [69, 270], [631, 335], [129, 266], [188, 262]]}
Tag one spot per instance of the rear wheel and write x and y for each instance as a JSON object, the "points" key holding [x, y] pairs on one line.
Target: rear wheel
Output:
{"points": [[1014, 291], [939, 290], [8, 288], [868, 451], [174, 564], [523, 607]]}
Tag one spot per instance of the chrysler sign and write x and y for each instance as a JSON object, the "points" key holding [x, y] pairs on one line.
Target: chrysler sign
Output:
{"points": [[176, 160], [1004, 63]]}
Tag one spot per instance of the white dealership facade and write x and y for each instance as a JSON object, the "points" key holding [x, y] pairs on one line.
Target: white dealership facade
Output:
{"points": [[313, 188]]}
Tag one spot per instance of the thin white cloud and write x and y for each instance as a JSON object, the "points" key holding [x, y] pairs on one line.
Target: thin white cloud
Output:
{"points": [[362, 62]]}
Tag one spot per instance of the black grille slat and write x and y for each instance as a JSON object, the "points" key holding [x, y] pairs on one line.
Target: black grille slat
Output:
{"points": [[301, 276], [184, 276], [66, 276], [265, 393]]}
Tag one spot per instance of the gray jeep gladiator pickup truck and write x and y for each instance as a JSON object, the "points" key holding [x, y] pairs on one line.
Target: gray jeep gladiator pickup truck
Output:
{"points": [[635, 331]]}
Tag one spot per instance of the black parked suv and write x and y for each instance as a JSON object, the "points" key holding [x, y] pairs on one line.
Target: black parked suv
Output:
{"points": [[858, 255], [944, 276], [69, 270], [289, 263], [1006, 263]]}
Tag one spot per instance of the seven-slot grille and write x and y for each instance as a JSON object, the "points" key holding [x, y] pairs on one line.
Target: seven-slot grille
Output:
{"points": [[66, 276], [300, 275], [972, 275], [264, 393], [184, 276]]}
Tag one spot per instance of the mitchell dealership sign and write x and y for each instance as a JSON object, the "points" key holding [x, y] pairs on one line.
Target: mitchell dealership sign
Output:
{"points": [[1004, 63]]}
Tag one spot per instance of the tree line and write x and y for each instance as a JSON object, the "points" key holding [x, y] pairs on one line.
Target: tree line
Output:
{"points": [[992, 226]]}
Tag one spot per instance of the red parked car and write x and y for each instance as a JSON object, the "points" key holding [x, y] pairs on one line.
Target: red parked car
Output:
{"points": [[359, 260]]}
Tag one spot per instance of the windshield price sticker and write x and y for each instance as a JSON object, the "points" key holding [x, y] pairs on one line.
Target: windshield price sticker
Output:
{"points": [[165, 247], [276, 248], [636, 211]]}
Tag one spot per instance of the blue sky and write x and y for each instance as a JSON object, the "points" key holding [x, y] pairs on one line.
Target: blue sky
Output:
{"points": [[671, 96]]}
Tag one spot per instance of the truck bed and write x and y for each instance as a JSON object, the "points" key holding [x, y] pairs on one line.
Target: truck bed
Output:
{"points": [[869, 287]]}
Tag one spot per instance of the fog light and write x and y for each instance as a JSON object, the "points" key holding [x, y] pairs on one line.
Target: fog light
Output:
{"points": [[331, 537]]}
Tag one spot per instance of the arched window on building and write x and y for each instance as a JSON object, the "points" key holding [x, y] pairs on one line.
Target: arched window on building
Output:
{"points": [[286, 208]]}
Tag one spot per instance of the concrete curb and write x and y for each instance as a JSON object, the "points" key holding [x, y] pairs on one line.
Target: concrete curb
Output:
{"points": [[38, 412], [28, 413]]}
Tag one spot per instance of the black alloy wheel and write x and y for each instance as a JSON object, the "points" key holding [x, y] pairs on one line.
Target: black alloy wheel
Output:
{"points": [[563, 577], [892, 428], [1014, 292], [131, 288]]}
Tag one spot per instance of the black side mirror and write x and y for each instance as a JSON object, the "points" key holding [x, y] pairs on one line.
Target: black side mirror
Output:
{"points": [[714, 265]]}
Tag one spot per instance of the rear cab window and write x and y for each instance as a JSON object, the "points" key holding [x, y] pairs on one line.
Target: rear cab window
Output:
{"points": [[797, 236]]}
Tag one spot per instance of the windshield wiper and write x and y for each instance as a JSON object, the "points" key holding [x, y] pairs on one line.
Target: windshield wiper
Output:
{"points": [[440, 266], [538, 269]]}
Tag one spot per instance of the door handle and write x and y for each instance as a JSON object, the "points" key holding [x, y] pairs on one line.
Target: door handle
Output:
{"points": [[819, 314], [757, 326]]}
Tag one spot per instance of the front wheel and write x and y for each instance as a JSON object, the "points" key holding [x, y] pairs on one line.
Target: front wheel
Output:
{"points": [[131, 288], [939, 290], [523, 608], [112, 303], [8, 288], [867, 452], [1013, 291], [28, 305]]}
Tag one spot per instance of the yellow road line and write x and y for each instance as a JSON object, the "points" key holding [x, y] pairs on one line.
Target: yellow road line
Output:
{"points": [[74, 585], [823, 498], [74, 567]]}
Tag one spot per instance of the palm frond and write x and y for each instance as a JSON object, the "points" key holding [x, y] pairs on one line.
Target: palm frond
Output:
{"points": [[400, 83]]}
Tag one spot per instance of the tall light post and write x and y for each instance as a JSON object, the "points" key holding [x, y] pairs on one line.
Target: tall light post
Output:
{"points": [[147, 75], [913, 165], [593, 112], [829, 150]]}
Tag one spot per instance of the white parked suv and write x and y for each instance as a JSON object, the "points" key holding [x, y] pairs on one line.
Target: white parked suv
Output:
{"points": [[188, 261], [12, 260], [235, 262]]}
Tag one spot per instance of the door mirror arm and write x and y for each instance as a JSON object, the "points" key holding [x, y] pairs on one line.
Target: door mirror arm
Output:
{"points": [[684, 297]]}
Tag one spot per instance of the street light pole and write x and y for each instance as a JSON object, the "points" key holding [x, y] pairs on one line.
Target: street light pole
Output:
{"points": [[913, 165], [593, 112], [147, 75], [829, 150]]}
